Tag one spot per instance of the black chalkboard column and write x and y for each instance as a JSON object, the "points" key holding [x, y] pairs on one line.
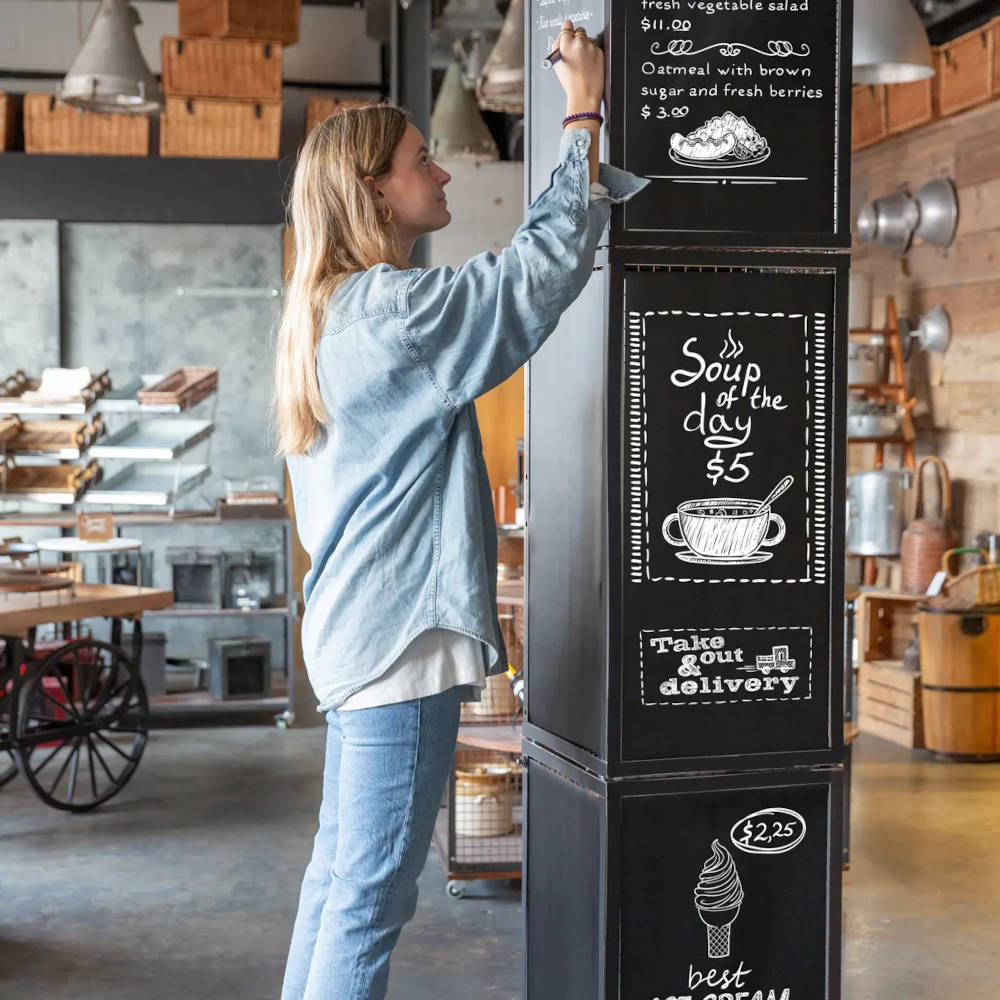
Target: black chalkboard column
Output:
{"points": [[685, 475]]}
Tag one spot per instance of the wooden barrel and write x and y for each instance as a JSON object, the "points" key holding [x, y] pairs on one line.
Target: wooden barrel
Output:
{"points": [[960, 682]]}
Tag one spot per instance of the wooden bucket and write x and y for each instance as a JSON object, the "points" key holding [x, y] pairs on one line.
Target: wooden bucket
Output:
{"points": [[960, 682]]}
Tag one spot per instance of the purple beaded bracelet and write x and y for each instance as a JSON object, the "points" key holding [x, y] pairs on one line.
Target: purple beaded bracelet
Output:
{"points": [[595, 115]]}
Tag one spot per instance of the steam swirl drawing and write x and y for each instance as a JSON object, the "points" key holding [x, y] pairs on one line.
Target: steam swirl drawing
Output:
{"points": [[718, 897]]}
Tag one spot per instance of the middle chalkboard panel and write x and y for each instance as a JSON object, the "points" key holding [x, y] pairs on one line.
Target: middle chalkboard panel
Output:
{"points": [[731, 547]]}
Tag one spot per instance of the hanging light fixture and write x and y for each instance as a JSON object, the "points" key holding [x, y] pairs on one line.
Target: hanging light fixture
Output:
{"points": [[109, 72], [890, 43], [500, 86], [457, 128]]}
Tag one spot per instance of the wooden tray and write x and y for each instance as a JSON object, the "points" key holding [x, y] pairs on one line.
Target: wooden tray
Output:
{"points": [[14, 386], [31, 583], [9, 427], [54, 479], [182, 387], [67, 438]]}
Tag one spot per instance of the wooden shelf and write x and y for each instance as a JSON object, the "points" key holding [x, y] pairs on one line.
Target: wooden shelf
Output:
{"points": [[199, 612], [505, 738], [68, 520], [890, 439], [143, 189]]}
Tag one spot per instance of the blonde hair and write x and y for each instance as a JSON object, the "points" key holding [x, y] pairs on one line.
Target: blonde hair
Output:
{"points": [[338, 231]]}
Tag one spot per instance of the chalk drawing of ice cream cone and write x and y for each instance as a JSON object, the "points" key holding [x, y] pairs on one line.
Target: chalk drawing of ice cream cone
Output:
{"points": [[718, 897]]}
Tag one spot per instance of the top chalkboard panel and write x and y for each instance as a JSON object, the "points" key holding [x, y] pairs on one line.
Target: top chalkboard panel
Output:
{"points": [[738, 112]]}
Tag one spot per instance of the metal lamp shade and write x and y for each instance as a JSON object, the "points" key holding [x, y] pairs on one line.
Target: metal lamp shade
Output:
{"points": [[938, 203], [109, 72], [500, 86], [890, 43], [457, 128]]}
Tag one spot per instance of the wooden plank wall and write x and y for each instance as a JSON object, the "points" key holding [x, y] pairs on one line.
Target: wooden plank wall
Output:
{"points": [[958, 411]]}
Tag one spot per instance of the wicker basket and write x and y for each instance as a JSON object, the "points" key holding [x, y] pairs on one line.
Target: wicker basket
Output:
{"points": [[8, 120], [50, 127], [221, 67], [320, 108], [908, 105], [201, 126], [273, 20], [976, 587], [867, 115], [964, 75]]}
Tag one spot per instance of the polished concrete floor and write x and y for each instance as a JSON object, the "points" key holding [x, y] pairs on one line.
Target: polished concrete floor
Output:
{"points": [[184, 887]]}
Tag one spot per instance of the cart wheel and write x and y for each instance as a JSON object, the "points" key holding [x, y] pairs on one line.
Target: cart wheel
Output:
{"points": [[456, 889], [82, 708], [8, 766]]}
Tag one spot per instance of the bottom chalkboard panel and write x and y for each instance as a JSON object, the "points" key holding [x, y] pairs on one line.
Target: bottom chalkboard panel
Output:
{"points": [[692, 888]]}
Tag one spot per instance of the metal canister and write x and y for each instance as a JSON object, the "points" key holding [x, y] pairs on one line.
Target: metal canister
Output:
{"points": [[876, 502]]}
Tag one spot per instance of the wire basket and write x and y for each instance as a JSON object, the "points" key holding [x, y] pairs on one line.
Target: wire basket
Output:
{"points": [[478, 831]]}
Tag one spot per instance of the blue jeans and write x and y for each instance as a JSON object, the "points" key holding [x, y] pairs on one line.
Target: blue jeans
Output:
{"points": [[383, 780]]}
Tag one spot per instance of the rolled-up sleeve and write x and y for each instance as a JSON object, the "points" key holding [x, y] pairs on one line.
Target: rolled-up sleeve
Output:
{"points": [[472, 327]]}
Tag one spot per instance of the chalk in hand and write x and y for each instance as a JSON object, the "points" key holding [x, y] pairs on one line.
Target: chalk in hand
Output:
{"points": [[555, 55]]}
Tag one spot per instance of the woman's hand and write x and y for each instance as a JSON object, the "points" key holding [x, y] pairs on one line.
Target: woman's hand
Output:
{"points": [[580, 70]]}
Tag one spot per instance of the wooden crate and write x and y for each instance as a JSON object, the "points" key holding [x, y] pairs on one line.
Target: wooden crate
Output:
{"points": [[964, 72], [868, 123], [221, 67], [201, 126], [51, 127], [8, 120], [272, 20], [320, 108], [995, 40], [889, 703], [908, 105]]}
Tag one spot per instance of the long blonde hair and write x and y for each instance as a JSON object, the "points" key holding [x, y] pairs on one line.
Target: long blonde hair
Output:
{"points": [[338, 231]]}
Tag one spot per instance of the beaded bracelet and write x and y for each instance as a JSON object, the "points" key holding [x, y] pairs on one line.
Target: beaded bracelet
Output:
{"points": [[595, 115]]}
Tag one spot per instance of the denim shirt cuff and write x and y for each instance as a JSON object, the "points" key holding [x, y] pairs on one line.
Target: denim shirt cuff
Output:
{"points": [[620, 184]]}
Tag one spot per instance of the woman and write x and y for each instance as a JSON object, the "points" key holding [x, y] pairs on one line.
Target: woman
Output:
{"points": [[377, 368]]}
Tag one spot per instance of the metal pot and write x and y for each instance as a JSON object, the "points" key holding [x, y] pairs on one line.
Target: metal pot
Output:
{"points": [[875, 508], [866, 363], [869, 420]]}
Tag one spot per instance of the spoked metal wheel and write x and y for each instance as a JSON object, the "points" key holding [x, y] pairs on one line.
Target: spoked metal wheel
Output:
{"points": [[8, 765], [8, 760], [82, 724]]}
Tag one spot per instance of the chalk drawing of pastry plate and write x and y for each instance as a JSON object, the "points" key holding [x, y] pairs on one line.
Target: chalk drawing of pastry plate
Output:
{"points": [[723, 163], [693, 557]]}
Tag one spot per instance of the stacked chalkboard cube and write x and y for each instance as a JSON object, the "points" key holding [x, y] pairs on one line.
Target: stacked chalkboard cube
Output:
{"points": [[684, 551]]}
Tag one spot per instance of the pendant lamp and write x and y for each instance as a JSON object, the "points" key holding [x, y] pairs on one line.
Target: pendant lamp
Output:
{"points": [[890, 43], [500, 86], [109, 72], [457, 128]]}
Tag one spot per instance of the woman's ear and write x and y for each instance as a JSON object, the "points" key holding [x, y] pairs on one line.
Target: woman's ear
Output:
{"points": [[370, 184]]}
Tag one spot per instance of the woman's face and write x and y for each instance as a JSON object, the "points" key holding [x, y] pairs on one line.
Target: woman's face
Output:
{"points": [[414, 189]]}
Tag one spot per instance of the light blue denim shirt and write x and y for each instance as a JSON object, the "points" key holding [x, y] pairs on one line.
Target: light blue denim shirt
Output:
{"points": [[393, 501]]}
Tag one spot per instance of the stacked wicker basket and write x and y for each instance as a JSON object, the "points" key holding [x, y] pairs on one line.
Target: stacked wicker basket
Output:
{"points": [[222, 77]]}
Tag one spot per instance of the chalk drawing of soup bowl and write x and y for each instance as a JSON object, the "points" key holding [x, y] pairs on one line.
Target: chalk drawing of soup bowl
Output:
{"points": [[724, 530]]}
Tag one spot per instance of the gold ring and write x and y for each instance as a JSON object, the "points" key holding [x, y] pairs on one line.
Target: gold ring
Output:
{"points": [[567, 31], [580, 31]]}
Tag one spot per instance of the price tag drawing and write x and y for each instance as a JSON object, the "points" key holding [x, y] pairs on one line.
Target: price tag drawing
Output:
{"points": [[769, 831]]}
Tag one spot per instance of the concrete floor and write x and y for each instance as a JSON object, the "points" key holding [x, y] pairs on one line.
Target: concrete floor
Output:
{"points": [[184, 886]]}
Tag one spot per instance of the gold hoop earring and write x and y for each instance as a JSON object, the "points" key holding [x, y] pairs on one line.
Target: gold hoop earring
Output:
{"points": [[388, 216]]}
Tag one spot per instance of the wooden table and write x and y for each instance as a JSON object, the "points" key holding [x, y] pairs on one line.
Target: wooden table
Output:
{"points": [[21, 612]]}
